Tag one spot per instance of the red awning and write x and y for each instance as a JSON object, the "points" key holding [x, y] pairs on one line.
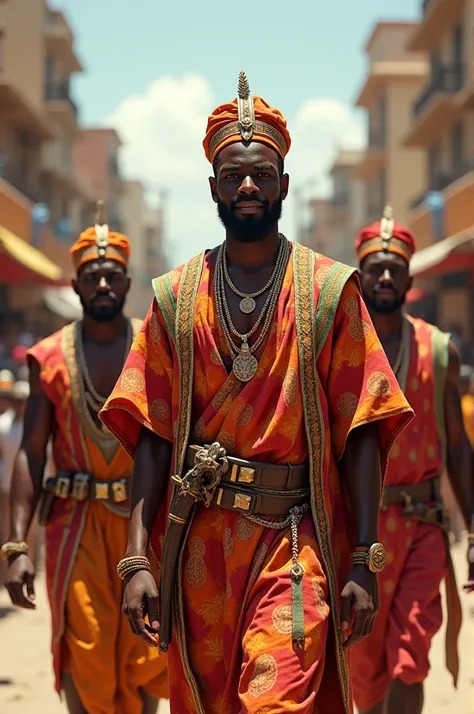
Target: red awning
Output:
{"points": [[446, 256], [22, 263]]}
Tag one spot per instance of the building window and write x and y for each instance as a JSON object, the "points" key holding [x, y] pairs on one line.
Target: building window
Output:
{"points": [[434, 165], [458, 45], [457, 149], [2, 48]]}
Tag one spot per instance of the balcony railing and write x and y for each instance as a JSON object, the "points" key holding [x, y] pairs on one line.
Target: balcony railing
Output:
{"points": [[442, 181], [448, 78], [60, 91]]}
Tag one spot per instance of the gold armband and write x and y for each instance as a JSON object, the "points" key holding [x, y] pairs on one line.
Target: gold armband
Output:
{"points": [[11, 549], [132, 564]]}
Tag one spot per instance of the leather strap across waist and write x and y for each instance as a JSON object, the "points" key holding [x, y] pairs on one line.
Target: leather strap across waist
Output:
{"points": [[259, 502], [82, 486], [259, 474], [424, 492]]}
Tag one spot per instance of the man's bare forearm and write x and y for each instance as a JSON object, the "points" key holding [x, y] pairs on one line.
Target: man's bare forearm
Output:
{"points": [[460, 469], [361, 468], [149, 486], [25, 492]]}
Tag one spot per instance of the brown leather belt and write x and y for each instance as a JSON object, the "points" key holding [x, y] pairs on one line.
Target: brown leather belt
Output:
{"points": [[82, 487], [263, 475], [420, 500], [213, 477]]}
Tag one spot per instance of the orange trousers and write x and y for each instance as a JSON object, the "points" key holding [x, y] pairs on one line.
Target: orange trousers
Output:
{"points": [[109, 665], [410, 609]]}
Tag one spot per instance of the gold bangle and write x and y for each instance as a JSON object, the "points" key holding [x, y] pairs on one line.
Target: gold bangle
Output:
{"points": [[470, 538], [132, 564], [10, 549]]}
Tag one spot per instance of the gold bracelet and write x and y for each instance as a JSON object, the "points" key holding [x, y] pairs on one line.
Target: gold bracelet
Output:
{"points": [[470, 538], [132, 564], [11, 548]]}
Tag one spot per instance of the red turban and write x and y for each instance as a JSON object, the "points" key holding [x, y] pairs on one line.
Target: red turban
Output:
{"points": [[385, 235], [99, 242], [246, 119]]}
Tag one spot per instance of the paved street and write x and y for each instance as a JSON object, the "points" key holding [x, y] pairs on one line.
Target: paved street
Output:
{"points": [[26, 683]]}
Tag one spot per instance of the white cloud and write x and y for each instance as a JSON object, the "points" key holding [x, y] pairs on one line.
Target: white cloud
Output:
{"points": [[162, 131]]}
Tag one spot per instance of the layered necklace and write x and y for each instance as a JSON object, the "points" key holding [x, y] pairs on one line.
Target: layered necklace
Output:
{"points": [[400, 368], [91, 400], [244, 361]]}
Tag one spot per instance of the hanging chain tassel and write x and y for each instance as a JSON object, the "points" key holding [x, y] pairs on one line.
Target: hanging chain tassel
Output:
{"points": [[296, 572]]}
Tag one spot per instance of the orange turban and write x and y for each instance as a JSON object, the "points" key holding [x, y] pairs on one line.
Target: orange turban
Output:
{"points": [[99, 242], [385, 235], [246, 119]]}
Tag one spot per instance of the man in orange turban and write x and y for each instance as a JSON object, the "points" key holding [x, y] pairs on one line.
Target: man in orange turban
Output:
{"points": [[390, 666], [251, 421], [98, 663]]}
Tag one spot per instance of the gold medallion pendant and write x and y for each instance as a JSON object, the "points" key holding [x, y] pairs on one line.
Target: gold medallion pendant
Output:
{"points": [[245, 365], [247, 305]]}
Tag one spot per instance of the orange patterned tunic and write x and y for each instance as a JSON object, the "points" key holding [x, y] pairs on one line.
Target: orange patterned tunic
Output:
{"points": [[84, 542], [410, 613], [235, 650]]}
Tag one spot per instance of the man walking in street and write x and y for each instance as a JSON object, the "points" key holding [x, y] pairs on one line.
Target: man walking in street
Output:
{"points": [[257, 383], [100, 666], [390, 666]]}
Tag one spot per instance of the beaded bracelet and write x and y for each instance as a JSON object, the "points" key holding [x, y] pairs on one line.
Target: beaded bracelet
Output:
{"points": [[132, 564], [11, 549]]}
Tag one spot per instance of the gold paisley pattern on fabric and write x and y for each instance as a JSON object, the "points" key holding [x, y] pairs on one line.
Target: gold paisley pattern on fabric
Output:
{"points": [[388, 587], [155, 329], [321, 275], [228, 542], [160, 410], [245, 528], [243, 415], [213, 609], [321, 604], [132, 380], [195, 570], [431, 451], [282, 620], [290, 387], [378, 384], [215, 357], [391, 524], [264, 676], [347, 404], [266, 423]]}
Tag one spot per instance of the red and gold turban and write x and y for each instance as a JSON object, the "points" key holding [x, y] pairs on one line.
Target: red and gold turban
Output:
{"points": [[385, 235], [246, 119], [99, 242]]}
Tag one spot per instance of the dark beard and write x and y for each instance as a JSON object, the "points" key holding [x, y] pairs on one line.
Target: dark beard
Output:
{"points": [[385, 308], [251, 229], [103, 313]]}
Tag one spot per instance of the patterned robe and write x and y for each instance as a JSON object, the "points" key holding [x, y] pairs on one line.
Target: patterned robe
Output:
{"points": [[84, 542], [232, 645]]}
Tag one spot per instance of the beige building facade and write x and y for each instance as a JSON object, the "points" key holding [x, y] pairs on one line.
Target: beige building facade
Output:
{"points": [[38, 125], [391, 172], [347, 206], [442, 128]]}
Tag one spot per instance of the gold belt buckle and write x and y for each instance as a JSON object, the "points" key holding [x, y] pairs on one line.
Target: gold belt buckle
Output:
{"points": [[80, 487], [119, 489], [63, 487], [101, 490]]}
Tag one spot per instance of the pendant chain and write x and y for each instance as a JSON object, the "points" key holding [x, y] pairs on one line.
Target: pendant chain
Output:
{"points": [[245, 363], [267, 285]]}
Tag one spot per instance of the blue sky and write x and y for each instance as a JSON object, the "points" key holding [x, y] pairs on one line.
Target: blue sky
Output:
{"points": [[154, 70]]}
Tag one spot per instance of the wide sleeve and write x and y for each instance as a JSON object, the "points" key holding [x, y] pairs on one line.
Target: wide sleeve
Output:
{"points": [[362, 387], [143, 394]]}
